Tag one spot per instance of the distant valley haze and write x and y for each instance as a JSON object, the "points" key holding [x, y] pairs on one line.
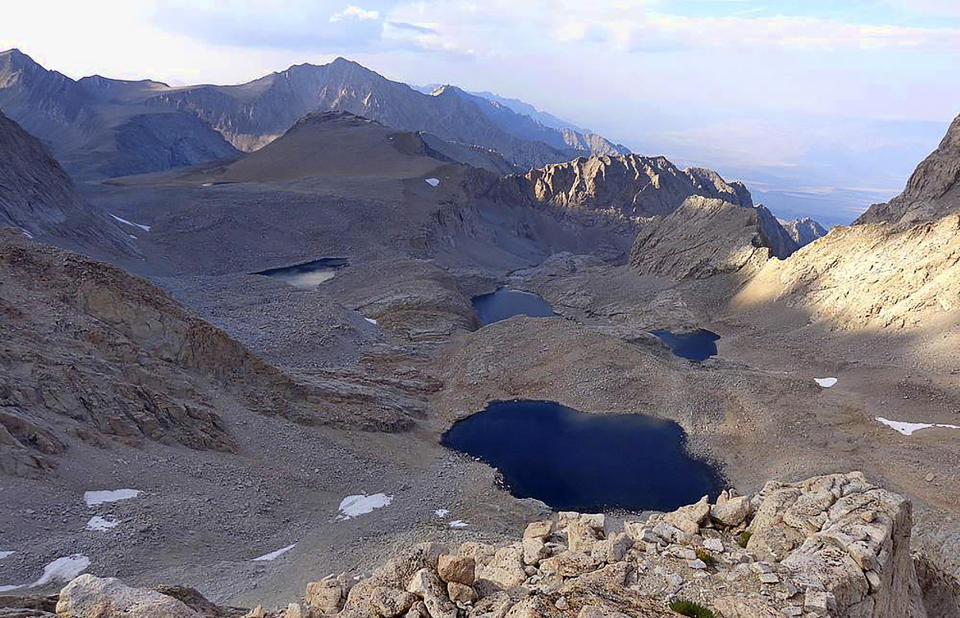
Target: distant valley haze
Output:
{"points": [[820, 108]]}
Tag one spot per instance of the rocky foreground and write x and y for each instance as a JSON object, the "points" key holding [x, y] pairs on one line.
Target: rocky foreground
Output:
{"points": [[832, 545]]}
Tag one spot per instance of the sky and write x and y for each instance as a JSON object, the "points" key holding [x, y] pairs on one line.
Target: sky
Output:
{"points": [[821, 107]]}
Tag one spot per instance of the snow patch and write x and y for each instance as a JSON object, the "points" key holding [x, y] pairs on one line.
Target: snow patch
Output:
{"points": [[433, 182], [207, 184], [101, 524], [145, 228], [825, 382], [8, 588], [458, 523], [275, 554], [441, 512], [4, 554], [908, 429], [371, 320], [63, 569], [26, 233], [94, 498], [352, 506]]}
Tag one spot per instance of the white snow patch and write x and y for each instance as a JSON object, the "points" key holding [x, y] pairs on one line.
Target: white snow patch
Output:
{"points": [[207, 184], [26, 233], [63, 569], [908, 429], [94, 498], [442, 512], [433, 182], [8, 587], [352, 506], [371, 320], [275, 554], [101, 524], [4, 554], [825, 382], [458, 523], [145, 228]]}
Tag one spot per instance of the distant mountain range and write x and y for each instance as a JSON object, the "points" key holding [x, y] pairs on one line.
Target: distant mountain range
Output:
{"points": [[99, 127]]}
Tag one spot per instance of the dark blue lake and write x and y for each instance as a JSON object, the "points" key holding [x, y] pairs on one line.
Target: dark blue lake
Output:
{"points": [[585, 462], [505, 303], [698, 345], [307, 274]]}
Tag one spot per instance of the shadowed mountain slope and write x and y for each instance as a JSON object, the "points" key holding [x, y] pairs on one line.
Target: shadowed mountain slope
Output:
{"points": [[99, 127], [38, 198]]}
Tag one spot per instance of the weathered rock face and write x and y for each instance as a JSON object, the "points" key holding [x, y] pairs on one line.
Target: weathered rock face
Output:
{"points": [[933, 190], [706, 237], [803, 231], [628, 186], [843, 537], [869, 276], [830, 546], [38, 198]]}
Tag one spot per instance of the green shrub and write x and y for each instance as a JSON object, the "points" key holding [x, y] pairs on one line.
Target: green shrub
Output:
{"points": [[706, 556], [744, 538], [691, 609]]}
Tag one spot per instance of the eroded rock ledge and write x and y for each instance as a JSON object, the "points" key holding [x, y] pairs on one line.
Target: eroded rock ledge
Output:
{"points": [[832, 545]]}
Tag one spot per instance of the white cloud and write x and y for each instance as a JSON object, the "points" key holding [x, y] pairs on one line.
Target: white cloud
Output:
{"points": [[355, 12]]}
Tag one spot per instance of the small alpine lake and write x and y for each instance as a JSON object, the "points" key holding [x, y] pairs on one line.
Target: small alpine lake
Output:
{"points": [[307, 275], [506, 303], [585, 462], [698, 345]]}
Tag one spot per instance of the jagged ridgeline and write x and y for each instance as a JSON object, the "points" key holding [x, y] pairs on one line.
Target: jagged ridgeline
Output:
{"points": [[144, 126]]}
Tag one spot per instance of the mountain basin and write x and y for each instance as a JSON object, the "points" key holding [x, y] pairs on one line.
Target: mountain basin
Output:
{"points": [[585, 462], [506, 303], [307, 275], [698, 345]]}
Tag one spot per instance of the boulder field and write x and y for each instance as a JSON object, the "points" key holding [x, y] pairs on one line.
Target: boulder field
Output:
{"points": [[833, 545]]}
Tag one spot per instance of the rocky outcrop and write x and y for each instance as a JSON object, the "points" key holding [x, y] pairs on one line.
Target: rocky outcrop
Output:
{"points": [[38, 198], [803, 231], [627, 186], [88, 595], [932, 191], [707, 237], [830, 546], [868, 276]]}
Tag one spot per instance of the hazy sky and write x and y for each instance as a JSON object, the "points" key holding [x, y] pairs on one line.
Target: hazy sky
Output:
{"points": [[820, 106]]}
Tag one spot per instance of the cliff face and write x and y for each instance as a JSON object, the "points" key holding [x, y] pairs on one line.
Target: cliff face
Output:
{"points": [[38, 198], [932, 191]]}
